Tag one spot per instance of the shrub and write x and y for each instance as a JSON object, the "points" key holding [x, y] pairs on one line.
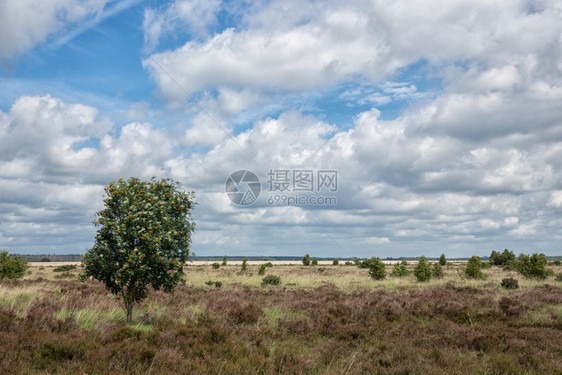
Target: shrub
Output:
{"points": [[532, 267], [559, 277], [268, 264], [65, 268], [271, 280], [261, 272], [335, 262], [486, 265], [306, 260], [216, 265], [377, 269], [11, 267], [422, 270], [400, 269], [224, 261], [556, 262], [348, 263], [472, 269], [321, 269], [442, 260], [216, 284], [314, 261], [45, 260], [244, 264], [510, 283], [438, 270], [502, 259]]}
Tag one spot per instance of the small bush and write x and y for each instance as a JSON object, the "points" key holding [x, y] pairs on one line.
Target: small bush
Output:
{"points": [[11, 267], [314, 261], [216, 284], [321, 269], [438, 270], [422, 270], [261, 272], [442, 260], [377, 269], [271, 280], [224, 261], [45, 260], [472, 269], [556, 262], [65, 268], [268, 264], [558, 277], [348, 263], [306, 260], [244, 264], [335, 262], [510, 283], [216, 265], [400, 269]]}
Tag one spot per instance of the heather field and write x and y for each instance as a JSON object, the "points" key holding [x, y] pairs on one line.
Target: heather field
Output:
{"points": [[320, 320]]}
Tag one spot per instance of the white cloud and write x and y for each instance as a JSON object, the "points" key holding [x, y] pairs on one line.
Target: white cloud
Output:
{"points": [[24, 23]]}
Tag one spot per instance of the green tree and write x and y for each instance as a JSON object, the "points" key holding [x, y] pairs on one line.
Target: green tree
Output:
{"points": [[224, 261], [502, 259], [532, 266], [11, 267], [244, 264], [306, 260], [473, 268], [442, 260], [422, 270], [335, 262], [143, 238], [314, 261], [262, 270], [377, 269]]}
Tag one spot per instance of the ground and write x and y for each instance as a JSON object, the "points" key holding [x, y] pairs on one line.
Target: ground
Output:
{"points": [[320, 320]]}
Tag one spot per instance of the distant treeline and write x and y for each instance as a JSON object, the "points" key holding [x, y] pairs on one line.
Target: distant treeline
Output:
{"points": [[78, 258]]}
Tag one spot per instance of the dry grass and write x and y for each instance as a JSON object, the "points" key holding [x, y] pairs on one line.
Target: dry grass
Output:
{"points": [[333, 321]]}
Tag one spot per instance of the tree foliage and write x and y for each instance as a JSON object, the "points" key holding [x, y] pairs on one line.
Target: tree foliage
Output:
{"points": [[244, 264], [335, 262], [400, 269], [11, 267], [473, 268], [442, 260], [532, 266], [306, 260], [143, 238], [377, 269], [502, 259], [422, 270], [314, 261]]}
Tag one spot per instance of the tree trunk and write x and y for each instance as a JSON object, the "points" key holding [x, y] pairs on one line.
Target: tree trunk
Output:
{"points": [[129, 309], [128, 302]]}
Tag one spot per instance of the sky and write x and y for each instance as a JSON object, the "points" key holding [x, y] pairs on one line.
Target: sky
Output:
{"points": [[361, 128]]}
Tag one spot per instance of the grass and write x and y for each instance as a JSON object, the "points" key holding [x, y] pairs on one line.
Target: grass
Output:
{"points": [[331, 322]]}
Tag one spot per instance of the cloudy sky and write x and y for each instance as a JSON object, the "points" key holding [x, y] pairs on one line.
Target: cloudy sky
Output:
{"points": [[443, 120]]}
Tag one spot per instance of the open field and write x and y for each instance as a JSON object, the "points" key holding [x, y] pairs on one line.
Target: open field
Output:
{"points": [[320, 320]]}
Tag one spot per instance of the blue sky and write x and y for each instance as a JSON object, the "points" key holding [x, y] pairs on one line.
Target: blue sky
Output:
{"points": [[442, 121]]}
